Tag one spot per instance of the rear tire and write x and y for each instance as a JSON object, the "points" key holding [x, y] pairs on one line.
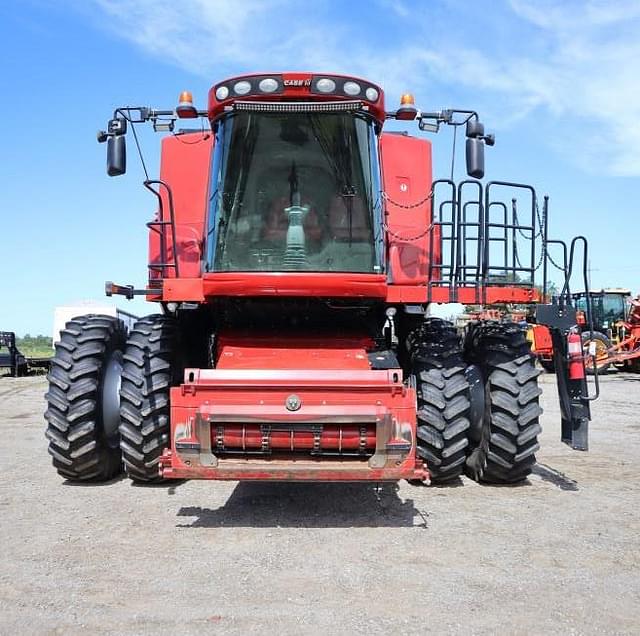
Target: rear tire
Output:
{"points": [[82, 401], [147, 377], [505, 452], [443, 398]]}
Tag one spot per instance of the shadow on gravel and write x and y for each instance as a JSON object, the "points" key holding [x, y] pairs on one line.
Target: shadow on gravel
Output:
{"points": [[169, 485], [288, 505], [555, 477], [525, 483], [92, 484], [447, 485]]}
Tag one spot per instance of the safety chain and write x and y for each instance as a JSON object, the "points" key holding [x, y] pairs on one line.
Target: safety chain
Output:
{"points": [[558, 267], [537, 267], [407, 239], [562, 269], [409, 206], [544, 252], [520, 231]]}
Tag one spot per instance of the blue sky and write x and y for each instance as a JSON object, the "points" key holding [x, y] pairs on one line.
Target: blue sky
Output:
{"points": [[559, 84]]}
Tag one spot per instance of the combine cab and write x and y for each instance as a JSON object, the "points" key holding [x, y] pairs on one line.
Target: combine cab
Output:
{"points": [[294, 255]]}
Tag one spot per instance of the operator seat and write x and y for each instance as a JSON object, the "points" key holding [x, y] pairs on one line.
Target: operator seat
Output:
{"points": [[277, 224], [339, 219]]}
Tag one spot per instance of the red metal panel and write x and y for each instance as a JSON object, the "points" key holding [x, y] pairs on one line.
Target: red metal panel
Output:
{"points": [[410, 294], [336, 285], [542, 343], [485, 296], [182, 289], [236, 351], [185, 167], [406, 173]]}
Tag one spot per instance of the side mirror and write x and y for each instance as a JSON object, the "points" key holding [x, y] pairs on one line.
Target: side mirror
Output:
{"points": [[475, 157], [116, 155], [475, 128]]}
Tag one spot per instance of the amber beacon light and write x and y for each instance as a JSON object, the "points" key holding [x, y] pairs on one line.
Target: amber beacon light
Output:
{"points": [[407, 108], [186, 109]]}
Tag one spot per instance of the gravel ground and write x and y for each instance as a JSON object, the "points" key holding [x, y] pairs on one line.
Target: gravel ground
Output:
{"points": [[559, 554]]}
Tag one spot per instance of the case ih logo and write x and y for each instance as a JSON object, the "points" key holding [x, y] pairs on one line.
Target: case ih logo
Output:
{"points": [[297, 82], [293, 403]]}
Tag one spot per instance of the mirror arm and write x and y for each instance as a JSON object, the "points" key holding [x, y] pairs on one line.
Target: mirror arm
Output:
{"points": [[141, 114]]}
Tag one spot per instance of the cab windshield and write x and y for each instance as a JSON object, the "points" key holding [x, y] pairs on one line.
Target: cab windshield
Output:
{"points": [[295, 192], [607, 308]]}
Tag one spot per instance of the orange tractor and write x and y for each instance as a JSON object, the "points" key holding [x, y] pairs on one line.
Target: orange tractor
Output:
{"points": [[610, 323], [295, 251], [614, 337]]}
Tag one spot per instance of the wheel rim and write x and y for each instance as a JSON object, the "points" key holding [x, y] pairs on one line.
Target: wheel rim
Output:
{"points": [[602, 353], [111, 397]]}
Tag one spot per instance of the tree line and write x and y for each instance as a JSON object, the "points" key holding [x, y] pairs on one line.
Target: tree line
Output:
{"points": [[34, 342]]}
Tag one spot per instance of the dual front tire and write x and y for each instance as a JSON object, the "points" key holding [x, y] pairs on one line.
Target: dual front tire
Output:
{"points": [[443, 399], [108, 398], [82, 401], [478, 401], [504, 448]]}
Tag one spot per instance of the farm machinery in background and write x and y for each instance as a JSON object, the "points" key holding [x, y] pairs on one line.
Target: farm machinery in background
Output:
{"points": [[609, 321], [10, 356], [296, 249], [18, 364]]}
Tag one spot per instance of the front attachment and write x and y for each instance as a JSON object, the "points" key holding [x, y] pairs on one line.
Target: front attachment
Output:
{"points": [[293, 425]]}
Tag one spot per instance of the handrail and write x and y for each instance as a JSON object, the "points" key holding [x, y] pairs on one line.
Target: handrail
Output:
{"points": [[468, 251], [154, 225], [585, 277]]}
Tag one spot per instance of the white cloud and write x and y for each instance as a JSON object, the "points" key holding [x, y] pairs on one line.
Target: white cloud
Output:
{"points": [[397, 6], [197, 35], [594, 59], [573, 63]]}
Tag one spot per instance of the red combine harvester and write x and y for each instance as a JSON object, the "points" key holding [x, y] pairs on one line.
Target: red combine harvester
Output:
{"points": [[295, 252]]}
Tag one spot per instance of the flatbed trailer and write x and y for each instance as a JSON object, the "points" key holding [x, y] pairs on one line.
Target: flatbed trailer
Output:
{"points": [[18, 364]]}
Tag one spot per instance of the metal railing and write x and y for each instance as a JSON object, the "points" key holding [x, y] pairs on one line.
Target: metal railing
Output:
{"points": [[160, 226], [489, 235]]}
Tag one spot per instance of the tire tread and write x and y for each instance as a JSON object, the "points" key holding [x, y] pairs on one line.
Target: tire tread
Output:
{"points": [[507, 452], [77, 445]]}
